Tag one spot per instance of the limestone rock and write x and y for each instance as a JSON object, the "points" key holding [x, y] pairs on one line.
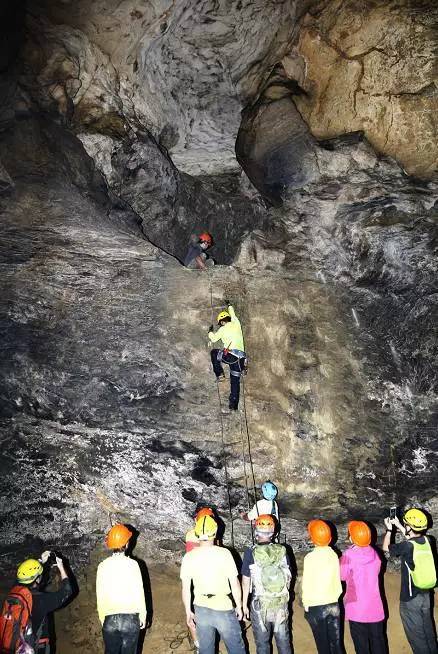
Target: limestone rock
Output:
{"points": [[372, 66]]}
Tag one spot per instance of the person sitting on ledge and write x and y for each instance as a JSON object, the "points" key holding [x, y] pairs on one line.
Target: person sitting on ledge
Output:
{"points": [[197, 257]]}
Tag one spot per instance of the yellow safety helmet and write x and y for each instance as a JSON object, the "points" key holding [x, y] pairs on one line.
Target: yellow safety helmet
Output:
{"points": [[28, 571], [222, 315], [206, 528], [416, 519]]}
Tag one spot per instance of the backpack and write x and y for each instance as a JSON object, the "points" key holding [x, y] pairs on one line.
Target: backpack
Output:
{"points": [[271, 576], [15, 621], [424, 573]]}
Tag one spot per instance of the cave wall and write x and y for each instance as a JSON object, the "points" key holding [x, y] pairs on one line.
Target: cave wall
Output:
{"points": [[117, 141], [372, 66]]}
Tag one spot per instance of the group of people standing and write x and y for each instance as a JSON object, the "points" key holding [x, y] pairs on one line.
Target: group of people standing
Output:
{"points": [[218, 594], [215, 602]]}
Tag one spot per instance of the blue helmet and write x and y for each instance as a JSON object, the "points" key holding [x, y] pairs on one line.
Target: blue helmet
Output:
{"points": [[269, 490]]}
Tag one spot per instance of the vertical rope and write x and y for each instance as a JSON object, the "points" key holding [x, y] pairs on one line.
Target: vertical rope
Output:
{"points": [[248, 438], [224, 449]]}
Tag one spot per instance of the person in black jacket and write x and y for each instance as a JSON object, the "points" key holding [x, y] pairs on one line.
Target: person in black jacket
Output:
{"points": [[30, 574], [418, 578], [197, 257]]}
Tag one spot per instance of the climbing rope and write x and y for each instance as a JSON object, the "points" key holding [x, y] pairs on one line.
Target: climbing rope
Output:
{"points": [[224, 449], [248, 441], [244, 438]]}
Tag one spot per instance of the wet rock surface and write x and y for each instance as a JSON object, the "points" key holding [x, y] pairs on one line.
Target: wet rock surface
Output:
{"points": [[109, 409]]}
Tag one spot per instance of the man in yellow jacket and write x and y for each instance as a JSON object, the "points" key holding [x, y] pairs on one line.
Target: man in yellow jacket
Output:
{"points": [[233, 352]]}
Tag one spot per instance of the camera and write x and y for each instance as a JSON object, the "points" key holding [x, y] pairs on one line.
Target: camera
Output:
{"points": [[53, 556], [392, 512]]}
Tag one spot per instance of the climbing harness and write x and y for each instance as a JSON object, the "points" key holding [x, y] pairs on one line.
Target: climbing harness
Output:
{"points": [[245, 440]]}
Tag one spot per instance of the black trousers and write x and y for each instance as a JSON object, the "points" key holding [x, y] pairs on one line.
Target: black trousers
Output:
{"points": [[417, 622], [368, 637], [237, 365], [326, 627], [120, 633]]}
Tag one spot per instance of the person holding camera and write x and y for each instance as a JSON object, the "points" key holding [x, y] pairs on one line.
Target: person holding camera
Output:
{"points": [[418, 578], [27, 606]]}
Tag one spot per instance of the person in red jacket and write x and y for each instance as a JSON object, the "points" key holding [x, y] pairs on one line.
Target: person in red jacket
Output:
{"points": [[360, 569]]}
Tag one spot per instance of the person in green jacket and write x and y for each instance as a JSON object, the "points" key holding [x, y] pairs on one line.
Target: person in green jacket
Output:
{"points": [[321, 589], [233, 352]]}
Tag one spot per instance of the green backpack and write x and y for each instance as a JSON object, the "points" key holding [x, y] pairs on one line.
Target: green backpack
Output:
{"points": [[424, 574], [273, 577]]}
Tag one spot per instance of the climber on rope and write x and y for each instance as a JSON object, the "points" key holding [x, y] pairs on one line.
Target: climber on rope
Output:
{"points": [[197, 257], [233, 354], [266, 574]]}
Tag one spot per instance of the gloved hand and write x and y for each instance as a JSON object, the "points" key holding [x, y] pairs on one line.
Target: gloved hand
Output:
{"points": [[211, 328], [227, 302]]}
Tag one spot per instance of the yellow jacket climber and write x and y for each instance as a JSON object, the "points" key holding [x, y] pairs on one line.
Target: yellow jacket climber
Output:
{"points": [[233, 353], [230, 333]]}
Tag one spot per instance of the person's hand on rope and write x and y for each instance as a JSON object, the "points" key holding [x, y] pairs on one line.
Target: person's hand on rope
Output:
{"points": [[211, 328], [246, 613], [227, 302], [190, 619], [239, 613]]}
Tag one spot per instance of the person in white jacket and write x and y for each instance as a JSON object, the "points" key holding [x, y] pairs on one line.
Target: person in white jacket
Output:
{"points": [[120, 595]]}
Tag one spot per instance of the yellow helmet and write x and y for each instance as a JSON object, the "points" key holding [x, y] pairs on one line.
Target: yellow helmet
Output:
{"points": [[415, 518], [222, 315], [28, 571], [206, 528]]}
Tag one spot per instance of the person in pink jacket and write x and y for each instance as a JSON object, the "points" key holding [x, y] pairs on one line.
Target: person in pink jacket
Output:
{"points": [[360, 569]]}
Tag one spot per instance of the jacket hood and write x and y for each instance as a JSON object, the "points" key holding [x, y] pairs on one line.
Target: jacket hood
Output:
{"points": [[363, 555]]}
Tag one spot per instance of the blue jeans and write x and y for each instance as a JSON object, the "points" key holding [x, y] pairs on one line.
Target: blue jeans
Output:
{"points": [[262, 632], [208, 621], [120, 633]]}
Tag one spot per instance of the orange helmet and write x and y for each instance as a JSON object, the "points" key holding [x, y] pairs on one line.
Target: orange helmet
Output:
{"points": [[319, 532], [206, 237], [265, 524], [359, 532], [117, 537], [203, 512]]}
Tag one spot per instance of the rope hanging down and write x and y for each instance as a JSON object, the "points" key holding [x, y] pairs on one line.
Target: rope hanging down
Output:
{"points": [[245, 440]]}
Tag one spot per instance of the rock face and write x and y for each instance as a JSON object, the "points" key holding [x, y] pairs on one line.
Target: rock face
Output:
{"points": [[371, 66], [117, 131]]}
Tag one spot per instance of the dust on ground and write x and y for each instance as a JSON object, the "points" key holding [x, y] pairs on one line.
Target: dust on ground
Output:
{"points": [[79, 631]]}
